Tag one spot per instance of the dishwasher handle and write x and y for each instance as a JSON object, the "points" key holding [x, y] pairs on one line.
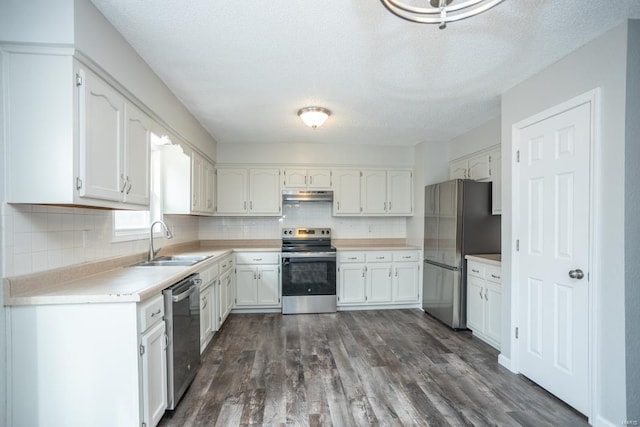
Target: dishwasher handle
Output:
{"points": [[184, 295]]}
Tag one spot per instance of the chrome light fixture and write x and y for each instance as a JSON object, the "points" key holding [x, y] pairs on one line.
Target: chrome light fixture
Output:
{"points": [[313, 116], [440, 11]]}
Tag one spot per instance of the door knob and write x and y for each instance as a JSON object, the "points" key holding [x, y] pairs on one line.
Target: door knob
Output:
{"points": [[576, 274]]}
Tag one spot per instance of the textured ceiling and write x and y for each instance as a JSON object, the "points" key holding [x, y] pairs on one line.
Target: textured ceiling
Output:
{"points": [[244, 68]]}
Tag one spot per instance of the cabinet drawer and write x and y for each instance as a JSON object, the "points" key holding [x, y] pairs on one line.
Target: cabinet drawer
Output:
{"points": [[349, 256], [226, 264], [150, 312], [494, 274], [406, 256], [258, 258], [476, 269], [379, 256]]}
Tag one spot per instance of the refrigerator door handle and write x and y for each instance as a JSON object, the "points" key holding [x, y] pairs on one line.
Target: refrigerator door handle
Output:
{"points": [[439, 264]]}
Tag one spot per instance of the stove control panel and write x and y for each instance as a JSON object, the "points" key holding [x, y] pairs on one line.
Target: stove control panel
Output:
{"points": [[306, 233]]}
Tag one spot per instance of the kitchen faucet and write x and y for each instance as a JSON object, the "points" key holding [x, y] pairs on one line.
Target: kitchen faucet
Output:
{"points": [[167, 233]]}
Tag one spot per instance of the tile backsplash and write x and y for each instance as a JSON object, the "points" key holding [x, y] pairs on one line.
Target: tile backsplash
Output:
{"points": [[38, 238], [302, 215]]}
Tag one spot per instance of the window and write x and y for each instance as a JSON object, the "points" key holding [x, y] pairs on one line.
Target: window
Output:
{"points": [[134, 225]]}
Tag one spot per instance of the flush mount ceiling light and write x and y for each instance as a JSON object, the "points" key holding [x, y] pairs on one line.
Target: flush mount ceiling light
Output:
{"points": [[440, 11], [313, 116]]}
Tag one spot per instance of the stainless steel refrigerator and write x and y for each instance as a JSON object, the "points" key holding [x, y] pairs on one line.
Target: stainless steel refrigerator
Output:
{"points": [[457, 222]]}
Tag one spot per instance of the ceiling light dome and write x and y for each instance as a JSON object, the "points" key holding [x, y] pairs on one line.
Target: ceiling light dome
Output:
{"points": [[440, 11], [313, 116]]}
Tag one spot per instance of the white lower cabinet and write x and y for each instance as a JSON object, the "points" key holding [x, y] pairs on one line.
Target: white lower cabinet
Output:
{"points": [[73, 364], [208, 306], [389, 278], [484, 302], [257, 280], [226, 294], [153, 355]]}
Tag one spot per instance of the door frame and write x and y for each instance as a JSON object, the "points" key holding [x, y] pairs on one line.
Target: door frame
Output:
{"points": [[591, 97]]}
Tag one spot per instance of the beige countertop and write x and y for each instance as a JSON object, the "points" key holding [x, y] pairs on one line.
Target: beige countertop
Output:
{"points": [[372, 245], [116, 279], [492, 259]]}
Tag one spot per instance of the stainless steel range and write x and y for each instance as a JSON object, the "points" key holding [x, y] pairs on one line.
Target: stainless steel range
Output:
{"points": [[308, 271]]}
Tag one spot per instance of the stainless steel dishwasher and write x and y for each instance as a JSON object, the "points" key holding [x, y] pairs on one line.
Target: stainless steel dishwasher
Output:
{"points": [[182, 315]]}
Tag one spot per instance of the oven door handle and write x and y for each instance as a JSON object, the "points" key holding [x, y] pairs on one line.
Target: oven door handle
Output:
{"points": [[186, 294], [309, 255]]}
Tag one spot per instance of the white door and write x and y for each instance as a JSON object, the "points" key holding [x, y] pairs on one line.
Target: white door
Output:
{"points": [[247, 285], [378, 283], [553, 188], [399, 192], [406, 279], [479, 169], [475, 304], [269, 285], [352, 284], [264, 187], [231, 191], [347, 195], [319, 178], [295, 178], [374, 192], [154, 374], [101, 140], [458, 169], [136, 155], [197, 170]]}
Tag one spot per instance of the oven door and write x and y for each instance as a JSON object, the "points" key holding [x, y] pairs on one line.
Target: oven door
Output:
{"points": [[308, 273]]}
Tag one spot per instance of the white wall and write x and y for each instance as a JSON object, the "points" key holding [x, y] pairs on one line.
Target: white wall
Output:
{"points": [[3, 338], [365, 155], [632, 225], [37, 21], [600, 63], [430, 167], [480, 138], [98, 39]]}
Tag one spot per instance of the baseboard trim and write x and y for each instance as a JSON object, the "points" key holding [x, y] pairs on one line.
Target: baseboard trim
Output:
{"points": [[603, 422], [505, 361]]}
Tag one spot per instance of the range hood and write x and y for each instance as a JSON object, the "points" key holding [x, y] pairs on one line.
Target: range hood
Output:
{"points": [[296, 196]]}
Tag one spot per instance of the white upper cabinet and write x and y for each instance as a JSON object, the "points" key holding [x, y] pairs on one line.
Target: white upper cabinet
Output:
{"points": [[231, 191], [188, 181], [400, 192], [346, 198], [482, 166], [307, 178], [373, 192], [242, 191], [265, 197], [84, 144]]}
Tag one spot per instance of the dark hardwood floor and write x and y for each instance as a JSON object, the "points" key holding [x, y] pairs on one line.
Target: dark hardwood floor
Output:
{"points": [[358, 368]]}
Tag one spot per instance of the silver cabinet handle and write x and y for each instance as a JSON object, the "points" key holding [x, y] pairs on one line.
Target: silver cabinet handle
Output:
{"points": [[385, 206], [257, 259], [480, 293], [486, 294], [363, 272], [396, 272], [475, 271], [576, 274], [390, 272], [124, 183], [389, 205], [130, 185], [245, 205], [379, 257], [310, 180], [155, 313], [251, 205], [495, 277]]}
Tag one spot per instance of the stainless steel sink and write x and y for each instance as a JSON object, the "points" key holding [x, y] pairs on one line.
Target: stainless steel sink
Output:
{"points": [[173, 261]]}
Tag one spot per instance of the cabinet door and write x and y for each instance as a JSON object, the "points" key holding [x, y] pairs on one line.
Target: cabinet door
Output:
{"points": [[479, 168], [231, 292], [154, 374], [319, 178], [207, 303], [265, 196], [295, 178], [374, 192], [231, 191], [208, 175], [197, 170], [406, 282], [493, 312], [137, 129], [101, 140], [347, 195], [352, 284], [475, 304], [496, 182], [378, 283], [400, 192], [458, 169], [269, 285], [246, 285]]}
